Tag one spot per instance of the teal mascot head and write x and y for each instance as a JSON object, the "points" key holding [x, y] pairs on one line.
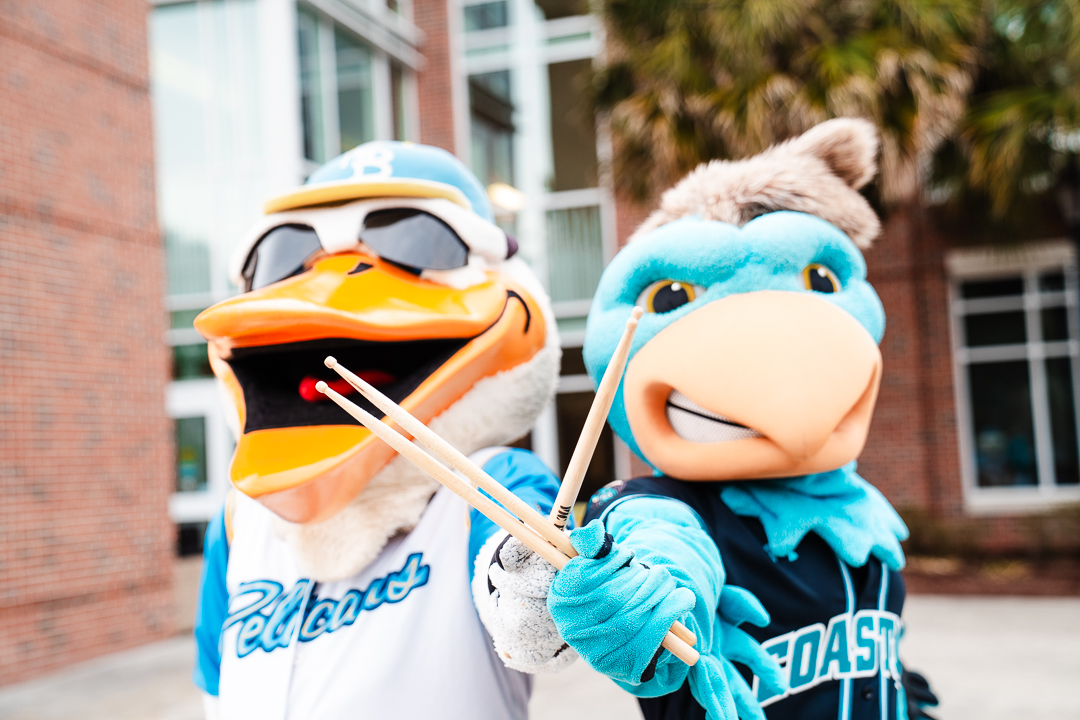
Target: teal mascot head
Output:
{"points": [[757, 356]]}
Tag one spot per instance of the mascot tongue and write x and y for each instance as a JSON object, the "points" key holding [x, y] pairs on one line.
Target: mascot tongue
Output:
{"points": [[342, 387]]}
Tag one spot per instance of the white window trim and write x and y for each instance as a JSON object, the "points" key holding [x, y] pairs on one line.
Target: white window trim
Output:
{"points": [[568, 199], [202, 398], [578, 37], [1027, 260]]}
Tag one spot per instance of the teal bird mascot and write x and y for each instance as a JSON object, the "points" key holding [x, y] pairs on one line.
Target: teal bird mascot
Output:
{"points": [[749, 390]]}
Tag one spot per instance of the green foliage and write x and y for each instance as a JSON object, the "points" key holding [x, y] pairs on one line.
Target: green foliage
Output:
{"points": [[694, 80], [987, 92], [1022, 126]]}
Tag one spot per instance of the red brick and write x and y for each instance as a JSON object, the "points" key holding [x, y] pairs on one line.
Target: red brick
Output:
{"points": [[434, 83], [85, 446]]}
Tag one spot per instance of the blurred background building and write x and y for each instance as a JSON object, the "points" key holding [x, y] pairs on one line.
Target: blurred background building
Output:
{"points": [[113, 447], [86, 462], [250, 96]]}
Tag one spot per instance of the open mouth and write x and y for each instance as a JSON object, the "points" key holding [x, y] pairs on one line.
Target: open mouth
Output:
{"points": [[694, 423], [277, 379]]}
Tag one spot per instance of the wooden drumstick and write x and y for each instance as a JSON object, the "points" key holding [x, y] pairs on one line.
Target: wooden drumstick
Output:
{"points": [[594, 424], [529, 515], [456, 459], [477, 499]]}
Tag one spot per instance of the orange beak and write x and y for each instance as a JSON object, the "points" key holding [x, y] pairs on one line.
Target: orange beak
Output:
{"points": [[424, 344], [713, 396]]}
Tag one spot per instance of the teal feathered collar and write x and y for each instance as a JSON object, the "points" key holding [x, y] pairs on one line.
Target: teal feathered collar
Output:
{"points": [[847, 512]]}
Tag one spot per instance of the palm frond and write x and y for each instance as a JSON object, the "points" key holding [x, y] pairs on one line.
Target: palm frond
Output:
{"points": [[694, 80]]}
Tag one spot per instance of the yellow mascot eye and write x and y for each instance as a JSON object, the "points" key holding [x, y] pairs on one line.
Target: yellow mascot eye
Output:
{"points": [[666, 295], [819, 278]]}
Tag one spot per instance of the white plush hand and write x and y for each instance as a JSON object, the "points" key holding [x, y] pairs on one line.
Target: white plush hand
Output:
{"points": [[518, 618]]}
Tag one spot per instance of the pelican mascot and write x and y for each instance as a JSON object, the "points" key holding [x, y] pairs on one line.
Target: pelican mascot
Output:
{"points": [[339, 580], [336, 580]]}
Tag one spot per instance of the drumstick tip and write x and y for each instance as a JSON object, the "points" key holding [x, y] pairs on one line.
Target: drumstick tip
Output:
{"points": [[330, 361], [637, 312], [321, 387]]}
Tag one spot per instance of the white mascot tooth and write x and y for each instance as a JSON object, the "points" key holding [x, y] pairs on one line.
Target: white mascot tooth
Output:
{"points": [[695, 423]]}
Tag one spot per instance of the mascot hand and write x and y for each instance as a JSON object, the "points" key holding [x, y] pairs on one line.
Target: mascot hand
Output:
{"points": [[518, 618], [613, 609], [714, 681], [919, 695]]}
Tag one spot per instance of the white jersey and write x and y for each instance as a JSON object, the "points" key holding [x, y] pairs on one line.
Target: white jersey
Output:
{"points": [[401, 639]]}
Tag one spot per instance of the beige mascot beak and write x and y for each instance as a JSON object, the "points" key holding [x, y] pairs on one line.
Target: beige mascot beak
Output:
{"points": [[816, 375]]}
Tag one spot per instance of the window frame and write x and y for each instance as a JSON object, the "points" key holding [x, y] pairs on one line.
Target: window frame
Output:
{"points": [[1027, 261], [202, 398], [374, 32]]}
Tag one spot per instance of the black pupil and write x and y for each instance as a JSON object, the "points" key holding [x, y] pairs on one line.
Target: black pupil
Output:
{"points": [[668, 298], [820, 281]]}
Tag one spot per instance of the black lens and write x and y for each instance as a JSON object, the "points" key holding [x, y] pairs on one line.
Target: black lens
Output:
{"points": [[279, 254], [415, 239]]}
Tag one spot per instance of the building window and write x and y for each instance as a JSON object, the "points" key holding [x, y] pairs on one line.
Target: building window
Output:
{"points": [[492, 127], [189, 358], [209, 150], [575, 252], [356, 121], [486, 16], [573, 128], [336, 96], [350, 92], [190, 454], [556, 9], [575, 239], [1017, 353], [189, 539]]}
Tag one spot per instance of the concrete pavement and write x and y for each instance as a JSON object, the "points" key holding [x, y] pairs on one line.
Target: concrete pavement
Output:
{"points": [[1001, 658], [987, 658], [148, 683]]}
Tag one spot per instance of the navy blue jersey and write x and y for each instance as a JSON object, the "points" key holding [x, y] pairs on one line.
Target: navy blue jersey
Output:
{"points": [[834, 628]]}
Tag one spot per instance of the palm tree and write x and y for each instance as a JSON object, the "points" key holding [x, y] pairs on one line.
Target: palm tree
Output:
{"points": [[693, 80], [1021, 131]]}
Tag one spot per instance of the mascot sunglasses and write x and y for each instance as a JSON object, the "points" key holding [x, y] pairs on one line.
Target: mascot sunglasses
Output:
{"points": [[416, 233]]}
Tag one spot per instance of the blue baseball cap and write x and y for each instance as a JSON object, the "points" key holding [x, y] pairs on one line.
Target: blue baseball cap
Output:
{"points": [[385, 168]]}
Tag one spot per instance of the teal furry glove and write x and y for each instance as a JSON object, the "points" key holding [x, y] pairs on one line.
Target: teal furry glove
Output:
{"points": [[664, 534], [714, 681], [613, 609]]}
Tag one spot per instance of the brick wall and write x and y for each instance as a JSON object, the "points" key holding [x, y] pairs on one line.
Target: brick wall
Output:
{"points": [[912, 453], [434, 81], [85, 447], [897, 458]]}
